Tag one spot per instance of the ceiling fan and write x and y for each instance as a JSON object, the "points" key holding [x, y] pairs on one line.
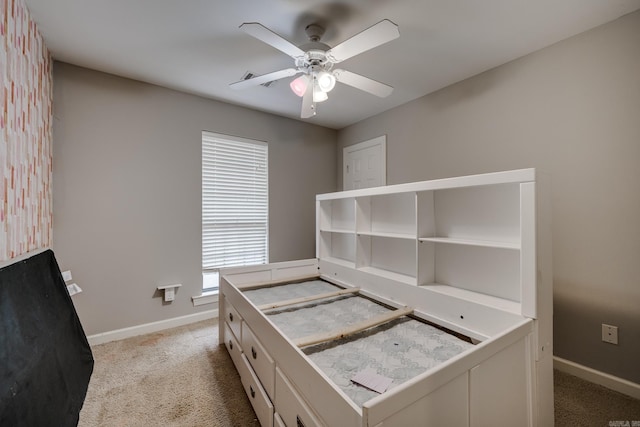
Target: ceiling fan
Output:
{"points": [[315, 61]]}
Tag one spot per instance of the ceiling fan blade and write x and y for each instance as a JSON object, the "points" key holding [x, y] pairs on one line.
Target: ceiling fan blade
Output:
{"points": [[264, 34], [376, 35], [363, 83], [308, 106], [265, 78]]}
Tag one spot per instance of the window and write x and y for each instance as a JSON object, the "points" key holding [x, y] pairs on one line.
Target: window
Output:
{"points": [[234, 204]]}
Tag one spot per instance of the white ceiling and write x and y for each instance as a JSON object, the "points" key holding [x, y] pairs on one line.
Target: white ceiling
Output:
{"points": [[195, 46]]}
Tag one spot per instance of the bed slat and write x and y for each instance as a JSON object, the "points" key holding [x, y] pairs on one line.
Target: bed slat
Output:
{"points": [[307, 299], [355, 328]]}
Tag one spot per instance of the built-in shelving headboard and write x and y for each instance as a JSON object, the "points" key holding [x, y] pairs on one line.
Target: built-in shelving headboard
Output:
{"points": [[470, 238]]}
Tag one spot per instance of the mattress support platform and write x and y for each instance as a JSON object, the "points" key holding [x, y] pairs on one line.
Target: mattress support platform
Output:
{"points": [[294, 301], [353, 329]]}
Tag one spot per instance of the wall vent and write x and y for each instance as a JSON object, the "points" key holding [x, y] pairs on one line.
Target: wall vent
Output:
{"points": [[249, 75]]}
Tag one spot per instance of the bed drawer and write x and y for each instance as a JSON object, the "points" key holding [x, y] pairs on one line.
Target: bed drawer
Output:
{"points": [[262, 363], [291, 407], [257, 396], [233, 318], [232, 345]]}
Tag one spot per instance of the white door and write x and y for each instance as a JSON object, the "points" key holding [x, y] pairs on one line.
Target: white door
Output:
{"points": [[365, 164]]}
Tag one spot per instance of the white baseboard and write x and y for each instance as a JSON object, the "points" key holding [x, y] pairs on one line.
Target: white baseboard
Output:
{"points": [[147, 328], [606, 380]]}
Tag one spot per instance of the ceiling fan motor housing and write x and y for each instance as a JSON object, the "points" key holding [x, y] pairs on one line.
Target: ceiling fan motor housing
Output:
{"points": [[314, 58], [314, 32]]}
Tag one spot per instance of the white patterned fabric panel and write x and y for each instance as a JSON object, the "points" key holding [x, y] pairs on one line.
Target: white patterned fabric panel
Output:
{"points": [[273, 294], [400, 350], [324, 315]]}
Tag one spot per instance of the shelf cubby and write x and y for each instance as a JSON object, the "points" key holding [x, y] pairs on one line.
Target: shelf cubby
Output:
{"points": [[338, 247], [488, 215], [373, 252], [387, 215], [337, 215]]}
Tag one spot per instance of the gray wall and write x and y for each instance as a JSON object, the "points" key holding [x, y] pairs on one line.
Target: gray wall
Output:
{"points": [[126, 191], [572, 109]]}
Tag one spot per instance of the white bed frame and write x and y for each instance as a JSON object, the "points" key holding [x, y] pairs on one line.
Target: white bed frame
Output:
{"points": [[472, 254]]}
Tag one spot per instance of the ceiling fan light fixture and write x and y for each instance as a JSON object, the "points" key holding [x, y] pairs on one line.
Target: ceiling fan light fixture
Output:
{"points": [[299, 85], [319, 95], [326, 81]]}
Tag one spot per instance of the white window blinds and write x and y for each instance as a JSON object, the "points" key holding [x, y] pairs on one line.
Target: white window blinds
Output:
{"points": [[234, 201]]}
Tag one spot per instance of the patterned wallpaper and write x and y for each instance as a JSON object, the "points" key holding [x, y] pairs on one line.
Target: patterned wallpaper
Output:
{"points": [[25, 132]]}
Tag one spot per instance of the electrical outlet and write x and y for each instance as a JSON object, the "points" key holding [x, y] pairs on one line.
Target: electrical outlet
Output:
{"points": [[610, 334]]}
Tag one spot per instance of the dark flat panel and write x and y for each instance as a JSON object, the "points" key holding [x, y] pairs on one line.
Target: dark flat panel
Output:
{"points": [[45, 359]]}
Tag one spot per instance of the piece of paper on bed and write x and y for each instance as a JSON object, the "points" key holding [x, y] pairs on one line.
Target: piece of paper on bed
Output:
{"points": [[371, 380]]}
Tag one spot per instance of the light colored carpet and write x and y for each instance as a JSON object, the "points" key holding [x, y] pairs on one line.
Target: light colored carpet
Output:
{"points": [[181, 377], [579, 403]]}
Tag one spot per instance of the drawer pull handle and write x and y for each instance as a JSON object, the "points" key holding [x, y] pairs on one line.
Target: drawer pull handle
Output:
{"points": [[231, 344], [253, 352], [253, 393], [231, 317]]}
